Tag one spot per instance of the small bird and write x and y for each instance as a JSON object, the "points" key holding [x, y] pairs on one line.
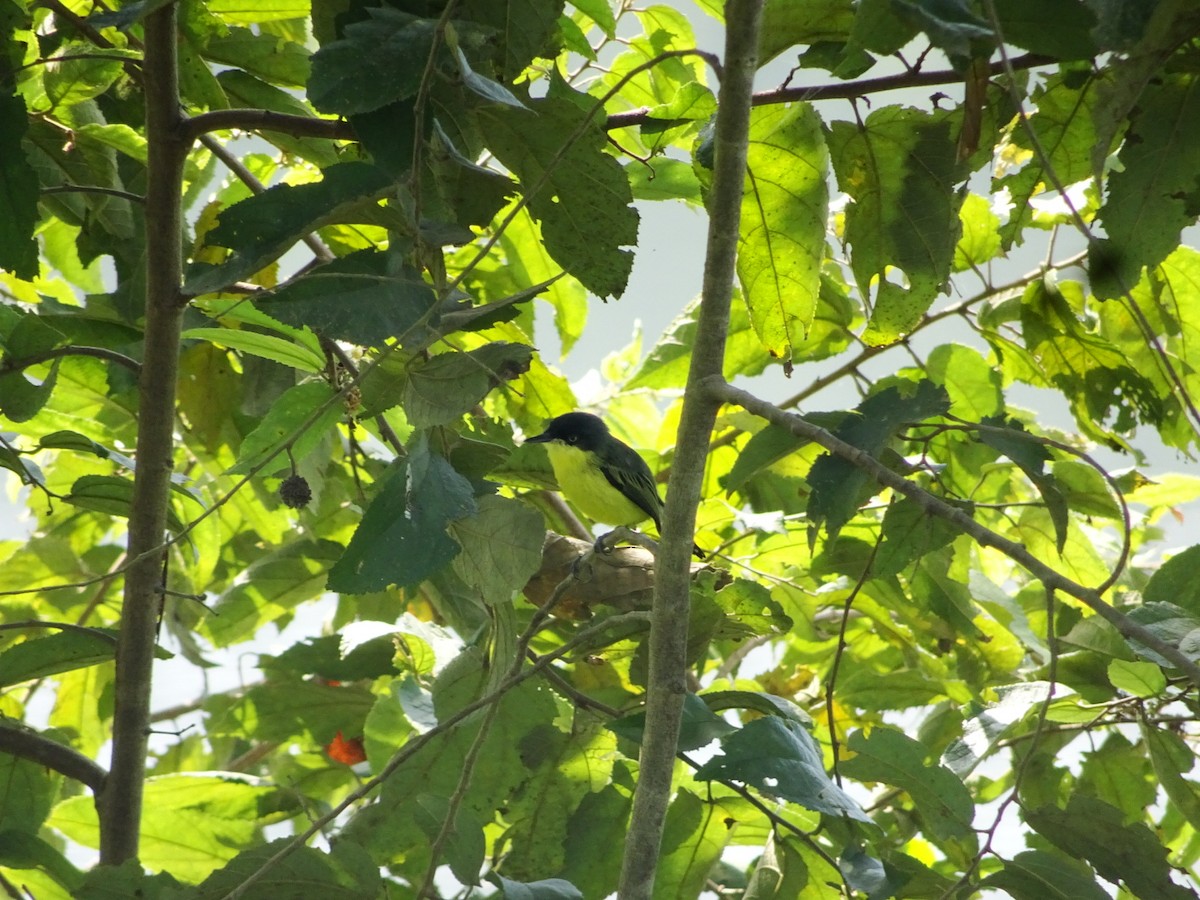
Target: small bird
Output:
{"points": [[600, 474]]}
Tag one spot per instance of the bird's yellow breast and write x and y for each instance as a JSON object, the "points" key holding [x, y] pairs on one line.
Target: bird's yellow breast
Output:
{"points": [[580, 479]]}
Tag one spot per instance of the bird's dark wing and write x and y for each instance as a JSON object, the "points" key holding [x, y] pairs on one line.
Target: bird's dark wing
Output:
{"points": [[629, 474]]}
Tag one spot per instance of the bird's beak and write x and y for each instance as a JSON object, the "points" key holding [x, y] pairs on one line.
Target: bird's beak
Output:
{"points": [[542, 438]]}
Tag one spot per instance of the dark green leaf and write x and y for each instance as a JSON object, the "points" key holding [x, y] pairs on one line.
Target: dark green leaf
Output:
{"points": [[343, 873], [546, 889], [113, 495], [837, 484], [27, 792], [767, 704], [1091, 829], [61, 652], [366, 298], [501, 547], [891, 757], [1170, 623], [780, 758], [261, 228], [1058, 28], [25, 850], [1173, 759], [1154, 194], [1177, 581], [18, 191], [21, 399], [578, 191], [380, 60], [700, 726], [950, 24], [524, 29], [402, 538], [463, 843], [1010, 438], [1043, 875], [442, 388]]}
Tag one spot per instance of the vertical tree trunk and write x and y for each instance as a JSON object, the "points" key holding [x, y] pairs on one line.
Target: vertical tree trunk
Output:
{"points": [[666, 682], [120, 803]]}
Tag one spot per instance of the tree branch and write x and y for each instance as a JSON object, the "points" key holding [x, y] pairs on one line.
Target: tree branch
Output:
{"points": [[16, 365], [718, 388], [848, 90], [120, 802], [666, 683], [17, 740], [265, 120]]}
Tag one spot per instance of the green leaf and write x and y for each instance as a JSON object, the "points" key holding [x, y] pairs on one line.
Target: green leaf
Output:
{"points": [[61, 652], [501, 547], [1141, 679], [27, 791], [837, 484], [699, 728], [261, 54], [344, 873], [1044, 875], [379, 60], [441, 389], [463, 843], [902, 223], [247, 90], [402, 538], [268, 346], [1177, 581], [1172, 759], [1063, 126], [546, 889], [972, 384], [1058, 28], [79, 73], [18, 192], [951, 25], [1154, 195], [263, 227], [1010, 438], [1170, 623], [282, 423], [112, 495], [1130, 854], [891, 757], [694, 836], [21, 399], [524, 29], [664, 179], [982, 732], [782, 759], [782, 231], [366, 298], [577, 191], [26, 850], [785, 24]]}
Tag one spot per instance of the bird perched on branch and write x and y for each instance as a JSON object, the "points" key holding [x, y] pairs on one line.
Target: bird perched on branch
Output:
{"points": [[603, 476]]}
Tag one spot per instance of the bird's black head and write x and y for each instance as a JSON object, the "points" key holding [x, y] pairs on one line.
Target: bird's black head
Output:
{"points": [[576, 429]]}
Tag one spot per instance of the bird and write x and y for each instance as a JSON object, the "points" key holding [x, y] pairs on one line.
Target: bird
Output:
{"points": [[603, 476]]}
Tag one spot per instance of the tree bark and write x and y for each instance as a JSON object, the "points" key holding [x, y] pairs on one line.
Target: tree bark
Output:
{"points": [[666, 681], [120, 802]]}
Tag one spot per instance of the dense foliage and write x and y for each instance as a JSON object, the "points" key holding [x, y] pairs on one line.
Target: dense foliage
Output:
{"points": [[936, 645]]}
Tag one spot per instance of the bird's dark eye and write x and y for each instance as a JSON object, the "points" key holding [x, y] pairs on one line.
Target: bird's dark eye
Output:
{"points": [[573, 439]]}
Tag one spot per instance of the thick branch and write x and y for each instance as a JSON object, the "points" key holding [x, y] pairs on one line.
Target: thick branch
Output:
{"points": [[265, 120], [1053, 580], [19, 741], [666, 684], [16, 365], [121, 800], [848, 90]]}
